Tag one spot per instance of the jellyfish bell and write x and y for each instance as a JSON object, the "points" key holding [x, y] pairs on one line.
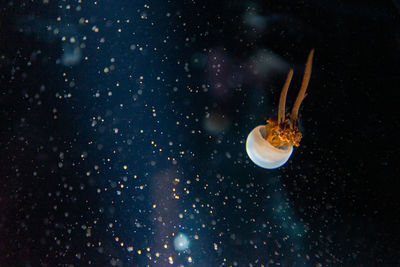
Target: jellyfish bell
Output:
{"points": [[263, 153], [270, 146]]}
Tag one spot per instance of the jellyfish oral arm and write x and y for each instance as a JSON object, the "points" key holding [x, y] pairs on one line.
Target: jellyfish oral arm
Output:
{"points": [[282, 99], [304, 84]]}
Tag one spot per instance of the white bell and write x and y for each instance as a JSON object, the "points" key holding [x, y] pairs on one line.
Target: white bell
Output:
{"points": [[262, 153]]}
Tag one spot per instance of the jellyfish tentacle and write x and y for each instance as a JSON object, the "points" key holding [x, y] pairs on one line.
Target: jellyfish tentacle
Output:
{"points": [[282, 99], [302, 93]]}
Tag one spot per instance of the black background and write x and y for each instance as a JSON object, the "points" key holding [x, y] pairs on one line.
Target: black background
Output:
{"points": [[342, 183]]}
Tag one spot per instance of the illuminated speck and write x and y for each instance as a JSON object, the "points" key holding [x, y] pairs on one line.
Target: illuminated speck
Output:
{"points": [[181, 242]]}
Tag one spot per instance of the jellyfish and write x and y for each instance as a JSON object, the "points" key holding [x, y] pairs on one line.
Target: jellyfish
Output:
{"points": [[270, 146]]}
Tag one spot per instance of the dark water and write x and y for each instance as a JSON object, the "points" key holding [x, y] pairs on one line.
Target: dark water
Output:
{"points": [[123, 128]]}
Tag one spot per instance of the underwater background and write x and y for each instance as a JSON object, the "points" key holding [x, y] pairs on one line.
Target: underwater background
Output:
{"points": [[123, 128]]}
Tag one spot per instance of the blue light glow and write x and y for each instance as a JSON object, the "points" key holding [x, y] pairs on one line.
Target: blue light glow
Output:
{"points": [[181, 242]]}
